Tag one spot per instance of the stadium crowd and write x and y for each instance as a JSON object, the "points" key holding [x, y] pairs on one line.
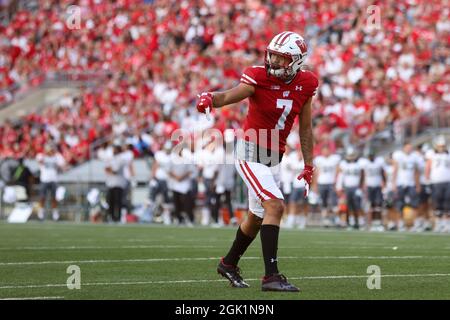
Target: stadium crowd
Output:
{"points": [[152, 57]]}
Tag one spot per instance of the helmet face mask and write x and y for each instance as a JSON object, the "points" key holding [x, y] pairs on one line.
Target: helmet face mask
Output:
{"points": [[291, 46]]}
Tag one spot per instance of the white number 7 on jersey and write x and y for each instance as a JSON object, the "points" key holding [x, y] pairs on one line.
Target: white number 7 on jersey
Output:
{"points": [[286, 105]]}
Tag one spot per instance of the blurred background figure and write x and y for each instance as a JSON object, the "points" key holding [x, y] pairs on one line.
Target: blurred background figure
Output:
{"points": [[129, 174], [209, 158], [374, 182], [181, 172], [116, 184], [159, 181], [422, 221], [226, 177], [51, 163], [351, 182], [324, 184], [438, 173], [407, 187], [392, 217], [22, 176], [297, 203]]}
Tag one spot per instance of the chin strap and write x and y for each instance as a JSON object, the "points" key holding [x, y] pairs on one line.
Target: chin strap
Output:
{"points": [[277, 72], [281, 73]]}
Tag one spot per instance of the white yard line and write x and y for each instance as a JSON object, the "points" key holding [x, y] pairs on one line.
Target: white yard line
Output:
{"points": [[20, 263], [33, 298], [106, 247], [81, 247], [127, 283]]}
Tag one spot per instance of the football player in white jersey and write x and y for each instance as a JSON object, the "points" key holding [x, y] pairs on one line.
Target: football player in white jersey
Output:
{"points": [[51, 163], [422, 223], [286, 179], [350, 183], [407, 184], [324, 183], [158, 182], [393, 216], [438, 172], [209, 166], [374, 181], [181, 173], [226, 177], [297, 203]]}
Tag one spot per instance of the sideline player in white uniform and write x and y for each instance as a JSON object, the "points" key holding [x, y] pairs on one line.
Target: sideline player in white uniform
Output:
{"points": [[297, 203], [286, 178], [50, 163], [438, 172], [158, 182], [209, 167], [407, 184], [374, 181], [181, 172], [226, 176], [393, 217], [351, 182], [324, 184], [422, 223]]}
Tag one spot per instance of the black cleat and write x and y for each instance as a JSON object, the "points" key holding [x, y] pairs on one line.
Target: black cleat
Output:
{"points": [[277, 282], [232, 273]]}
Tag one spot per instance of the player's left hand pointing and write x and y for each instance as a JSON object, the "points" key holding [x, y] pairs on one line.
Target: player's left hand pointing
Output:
{"points": [[307, 174], [205, 102]]}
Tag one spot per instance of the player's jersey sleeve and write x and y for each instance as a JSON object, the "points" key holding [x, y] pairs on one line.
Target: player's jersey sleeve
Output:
{"points": [[396, 156], [362, 162], [312, 84], [381, 162], [429, 154], [341, 165], [317, 161], [251, 75]]}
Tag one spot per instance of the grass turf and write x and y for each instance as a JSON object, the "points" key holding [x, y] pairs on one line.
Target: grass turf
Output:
{"points": [[157, 262]]}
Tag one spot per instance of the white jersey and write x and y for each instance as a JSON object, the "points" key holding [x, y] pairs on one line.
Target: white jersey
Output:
{"points": [[351, 173], [440, 166], [128, 157], [389, 172], [421, 167], [49, 166], [209, 161], [117, 178], [327, 167], [286, 173], [407, 164], [162, 158], [373, 171], [226, 172], [297, 165], [180, 166]]}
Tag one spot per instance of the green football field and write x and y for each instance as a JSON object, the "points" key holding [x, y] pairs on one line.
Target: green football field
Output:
{"points": [[157, 262]]}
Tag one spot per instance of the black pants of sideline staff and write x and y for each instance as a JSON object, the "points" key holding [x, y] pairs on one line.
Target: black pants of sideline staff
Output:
{"points": [[183, 203], [115, 203]]}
